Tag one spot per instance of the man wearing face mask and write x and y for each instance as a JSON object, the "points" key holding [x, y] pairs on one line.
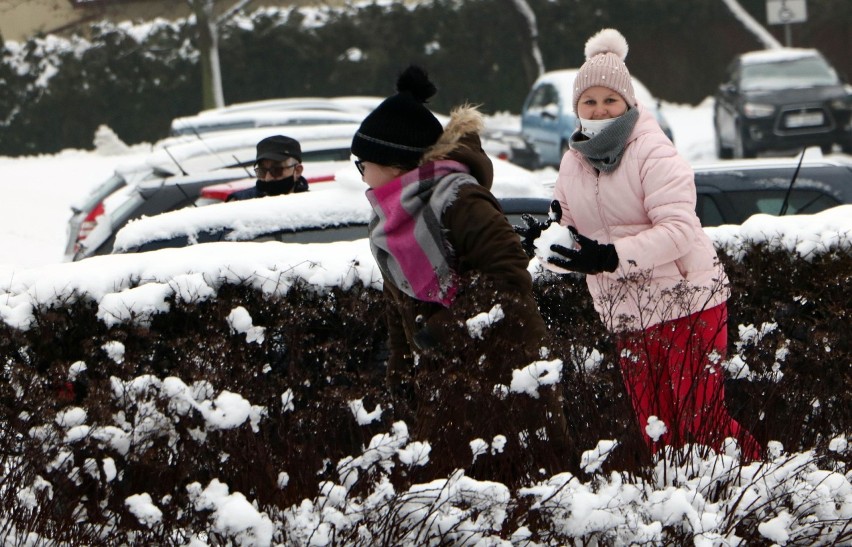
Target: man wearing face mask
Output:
{"points": [[278, 167]]}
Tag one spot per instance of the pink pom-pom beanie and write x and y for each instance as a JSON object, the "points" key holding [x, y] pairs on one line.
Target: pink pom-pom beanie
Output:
{"points": [[604, 66]]}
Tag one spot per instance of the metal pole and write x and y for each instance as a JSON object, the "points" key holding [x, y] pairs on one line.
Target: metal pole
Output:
{"points": [[788, 35]]}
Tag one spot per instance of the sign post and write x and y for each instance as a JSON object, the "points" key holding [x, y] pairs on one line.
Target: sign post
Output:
{"points": [[785, 12]]}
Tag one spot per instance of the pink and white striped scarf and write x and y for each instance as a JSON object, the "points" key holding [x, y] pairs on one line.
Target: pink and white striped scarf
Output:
{"points": [[406, 235]]}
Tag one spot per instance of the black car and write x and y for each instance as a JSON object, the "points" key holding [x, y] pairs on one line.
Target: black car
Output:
{"points": [[779, 100], [321, 216], [731, 192]]}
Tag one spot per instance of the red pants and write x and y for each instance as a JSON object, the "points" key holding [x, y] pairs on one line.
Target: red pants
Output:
{"points": [[671, 371]]}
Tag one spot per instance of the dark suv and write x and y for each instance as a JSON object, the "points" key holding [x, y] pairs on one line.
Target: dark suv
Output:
{"points": [[781, 99]]}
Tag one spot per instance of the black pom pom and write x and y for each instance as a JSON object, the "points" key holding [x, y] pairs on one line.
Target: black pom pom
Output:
{"points": [[415, 81]]}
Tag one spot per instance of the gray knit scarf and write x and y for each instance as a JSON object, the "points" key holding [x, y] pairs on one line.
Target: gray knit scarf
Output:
{"points": [[605, 149]]}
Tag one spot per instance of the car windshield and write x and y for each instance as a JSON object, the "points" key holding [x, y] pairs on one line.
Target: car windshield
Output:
{"points": [[788, 73]]}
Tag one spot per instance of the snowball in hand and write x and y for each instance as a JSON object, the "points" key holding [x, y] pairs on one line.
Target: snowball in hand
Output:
{"points": [[556, 234]]}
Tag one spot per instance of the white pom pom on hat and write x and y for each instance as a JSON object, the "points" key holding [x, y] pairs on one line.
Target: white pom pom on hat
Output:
{"points": [[604, 66], [607, 40]]}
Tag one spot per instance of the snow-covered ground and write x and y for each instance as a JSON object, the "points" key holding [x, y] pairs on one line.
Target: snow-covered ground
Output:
{"points": [[39, 190]]}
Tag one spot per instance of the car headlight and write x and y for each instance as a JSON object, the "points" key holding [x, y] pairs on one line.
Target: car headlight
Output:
{"points": [[841, 104], [757, 110]]}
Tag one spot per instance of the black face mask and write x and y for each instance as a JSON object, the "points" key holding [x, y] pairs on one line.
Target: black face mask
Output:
{"points": [[276, 187]]}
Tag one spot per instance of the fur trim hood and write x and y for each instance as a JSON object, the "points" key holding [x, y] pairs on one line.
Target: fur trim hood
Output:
{"points": [[460, 141]]}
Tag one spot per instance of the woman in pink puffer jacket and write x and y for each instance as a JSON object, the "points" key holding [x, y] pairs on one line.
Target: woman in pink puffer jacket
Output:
{"points": [[652, 272]]}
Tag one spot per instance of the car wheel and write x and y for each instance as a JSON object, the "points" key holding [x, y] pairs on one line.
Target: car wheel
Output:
{"points": [[741, 146], [722, 152]]}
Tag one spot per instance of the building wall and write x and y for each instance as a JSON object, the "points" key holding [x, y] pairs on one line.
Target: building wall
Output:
{"points": [[20, 19], [23, 19]]}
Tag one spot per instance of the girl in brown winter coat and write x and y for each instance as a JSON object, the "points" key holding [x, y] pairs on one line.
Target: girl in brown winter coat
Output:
{"points": [[448, 254]]}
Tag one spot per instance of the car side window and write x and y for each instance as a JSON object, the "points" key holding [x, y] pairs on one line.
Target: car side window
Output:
{"points": [[545, 95], [735, 74], [329, 234], [801, 201], [708, 211]]}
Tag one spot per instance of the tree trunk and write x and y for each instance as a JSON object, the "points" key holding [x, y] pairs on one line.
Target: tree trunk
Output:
{"points": [[208, 46], [531, 56]]}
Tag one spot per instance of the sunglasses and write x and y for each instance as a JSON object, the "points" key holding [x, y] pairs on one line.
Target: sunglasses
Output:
{"points": [[275, 171], [360, 165]]}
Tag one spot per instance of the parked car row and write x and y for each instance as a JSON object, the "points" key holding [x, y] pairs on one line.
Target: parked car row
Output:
{"points": [[728, 193], [773, 100], [209, 155], [173, 174], [276, 113], [180, 170], [154, 196]]}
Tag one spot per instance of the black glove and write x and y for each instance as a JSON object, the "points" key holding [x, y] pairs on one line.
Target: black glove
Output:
{"points": [[533, 228], [591, 258]]}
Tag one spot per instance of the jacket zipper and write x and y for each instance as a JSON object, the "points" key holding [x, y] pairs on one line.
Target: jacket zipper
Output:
{"points": [[601, 214]]}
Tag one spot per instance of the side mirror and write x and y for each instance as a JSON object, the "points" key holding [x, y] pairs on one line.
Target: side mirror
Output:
{"points": [[550, 111]]}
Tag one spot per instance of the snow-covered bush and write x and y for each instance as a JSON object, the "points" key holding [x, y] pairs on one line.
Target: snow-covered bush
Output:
{"points": [[191, 428]]}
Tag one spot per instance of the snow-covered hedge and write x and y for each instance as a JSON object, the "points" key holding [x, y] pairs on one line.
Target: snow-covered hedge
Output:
{"points": [[175, 398]]}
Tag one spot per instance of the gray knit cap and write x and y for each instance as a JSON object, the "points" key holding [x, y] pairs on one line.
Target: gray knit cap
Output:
{"points": [[604, 66]]}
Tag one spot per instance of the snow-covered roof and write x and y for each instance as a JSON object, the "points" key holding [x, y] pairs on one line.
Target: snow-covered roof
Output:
{"points": [[248, 219], [230, 121], [777, 55], [355, 103], [239, 146]]}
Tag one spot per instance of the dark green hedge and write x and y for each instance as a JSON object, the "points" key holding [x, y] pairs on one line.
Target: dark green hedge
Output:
{"points": [[678, 49]]}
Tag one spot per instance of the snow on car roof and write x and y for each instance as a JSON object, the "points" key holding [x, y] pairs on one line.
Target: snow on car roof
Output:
{"points": [[222, 146], [310, 137], [777, 55], [354, 103], [251, 218], [240, 120]]}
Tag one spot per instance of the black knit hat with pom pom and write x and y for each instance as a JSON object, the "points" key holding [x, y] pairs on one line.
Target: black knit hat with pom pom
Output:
{"points": [[401, 128]]}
